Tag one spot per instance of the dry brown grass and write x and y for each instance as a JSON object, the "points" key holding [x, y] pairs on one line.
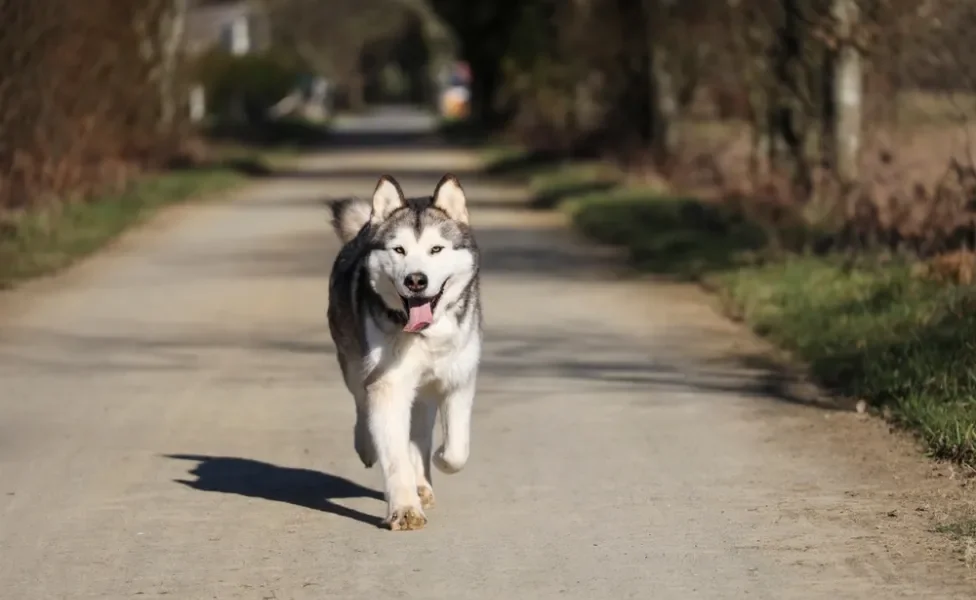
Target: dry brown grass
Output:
{"points": [[917, 188], [956, 268]]}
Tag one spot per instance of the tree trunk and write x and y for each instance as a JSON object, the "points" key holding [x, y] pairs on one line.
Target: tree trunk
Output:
{"points": [[828, 110], [631, 117], [662, 92], [759, 152], [789, 118], [172, 30], [848, 93], [357, 92], [664, 106], [484, 89]]}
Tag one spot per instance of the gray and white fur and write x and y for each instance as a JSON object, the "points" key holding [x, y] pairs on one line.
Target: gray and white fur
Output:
{"points": [[405, 316]]}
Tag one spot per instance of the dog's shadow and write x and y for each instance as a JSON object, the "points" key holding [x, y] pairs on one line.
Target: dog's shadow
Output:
{"points": [[256, 479]]}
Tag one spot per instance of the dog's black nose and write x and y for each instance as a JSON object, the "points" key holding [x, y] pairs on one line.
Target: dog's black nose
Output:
{"points": [[415, 282]]}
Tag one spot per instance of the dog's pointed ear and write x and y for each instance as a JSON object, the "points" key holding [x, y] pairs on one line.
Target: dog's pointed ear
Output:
{"points": [[387, 197], [449, 197]]}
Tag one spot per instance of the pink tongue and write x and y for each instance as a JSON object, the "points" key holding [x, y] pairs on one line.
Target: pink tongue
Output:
{"points": [[420, 317]]}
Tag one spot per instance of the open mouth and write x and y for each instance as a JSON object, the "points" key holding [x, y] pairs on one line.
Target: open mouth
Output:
{"points": [[420, 311]]}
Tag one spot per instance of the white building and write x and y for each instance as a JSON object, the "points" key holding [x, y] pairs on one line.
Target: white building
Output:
{"points": [[232, 25]]}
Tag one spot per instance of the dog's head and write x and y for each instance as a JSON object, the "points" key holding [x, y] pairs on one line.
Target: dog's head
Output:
{"points": [[423, 254]]}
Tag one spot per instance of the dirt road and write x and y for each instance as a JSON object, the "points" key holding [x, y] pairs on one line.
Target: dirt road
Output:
{"points": [[172, 424]]}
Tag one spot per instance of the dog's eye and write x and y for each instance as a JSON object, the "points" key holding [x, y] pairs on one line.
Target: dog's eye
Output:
{"points": [[400, 250], [436, 249]]}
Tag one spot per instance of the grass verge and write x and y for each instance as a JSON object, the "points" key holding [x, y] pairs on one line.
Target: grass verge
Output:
{"points": [[44, 241], [876, 332]]}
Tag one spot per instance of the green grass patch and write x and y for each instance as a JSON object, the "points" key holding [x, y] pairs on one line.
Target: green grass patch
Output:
{"points": [[524, 165], [873, 332], [42, 241], [514, 162], [555, 186], [876, 333], [665, 234], [960, 530]]}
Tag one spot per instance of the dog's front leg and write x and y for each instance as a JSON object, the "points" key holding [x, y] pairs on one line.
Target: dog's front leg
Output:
{"points": [[456, 422], [390, 403], [362, 438], [421, 444]]}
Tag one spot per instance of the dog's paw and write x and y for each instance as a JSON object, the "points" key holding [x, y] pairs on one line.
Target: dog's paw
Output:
{"points": [[426, 494], [407, 518], [363, 443], [450, 460]]}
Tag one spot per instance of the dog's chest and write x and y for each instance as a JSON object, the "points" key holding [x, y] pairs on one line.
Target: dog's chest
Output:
{"points": [[433, 358], [444, 361]]}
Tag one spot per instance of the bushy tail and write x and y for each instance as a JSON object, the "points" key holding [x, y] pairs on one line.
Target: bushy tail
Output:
{"points": [[349, 215]]}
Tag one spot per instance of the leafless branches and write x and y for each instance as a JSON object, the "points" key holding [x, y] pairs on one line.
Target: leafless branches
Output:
{"points": [[828, 105], [87, 94]]}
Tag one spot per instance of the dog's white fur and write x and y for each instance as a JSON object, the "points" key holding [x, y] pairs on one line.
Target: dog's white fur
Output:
{"points": [[386, 199], [408, 377]]}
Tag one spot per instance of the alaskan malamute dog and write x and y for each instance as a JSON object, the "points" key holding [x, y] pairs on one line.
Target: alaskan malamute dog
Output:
{"points": [[405, 316]]}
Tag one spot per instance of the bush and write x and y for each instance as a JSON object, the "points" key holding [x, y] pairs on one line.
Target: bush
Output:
{"points": [[245, 87]]}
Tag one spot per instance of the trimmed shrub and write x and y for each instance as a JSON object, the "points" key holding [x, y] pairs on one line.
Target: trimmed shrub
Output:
{"points": [[244, 87]]}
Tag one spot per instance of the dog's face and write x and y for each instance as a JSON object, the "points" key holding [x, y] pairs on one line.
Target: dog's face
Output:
{"points": [[423, 253]]}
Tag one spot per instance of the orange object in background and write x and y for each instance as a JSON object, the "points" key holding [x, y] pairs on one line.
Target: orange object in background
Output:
{"points": [[455, 103], [455, 96]]}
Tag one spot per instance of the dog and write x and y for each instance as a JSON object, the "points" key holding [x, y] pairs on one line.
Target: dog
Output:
{"points": [[406, 319]]}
